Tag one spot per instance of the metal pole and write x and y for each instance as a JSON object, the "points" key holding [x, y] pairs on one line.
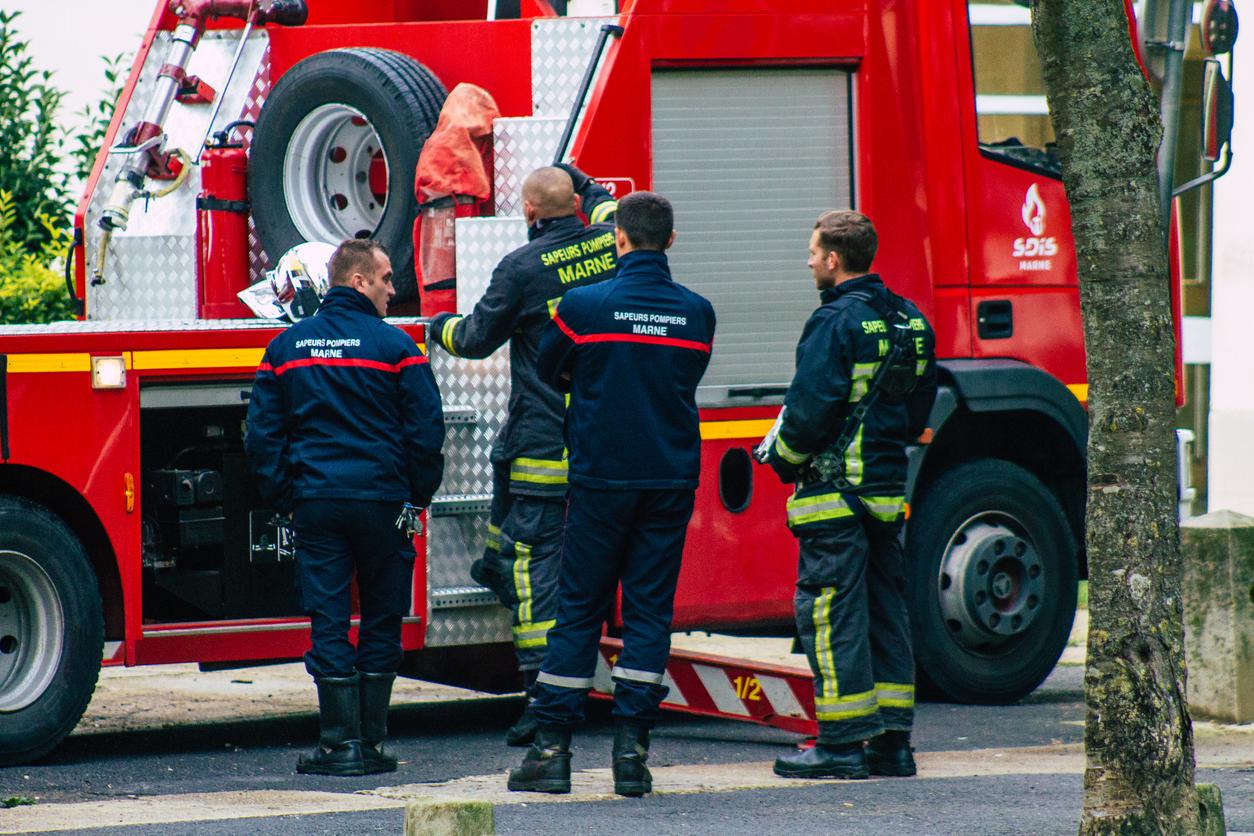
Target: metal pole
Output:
{"points": [[1173, 71], [608, 30]]}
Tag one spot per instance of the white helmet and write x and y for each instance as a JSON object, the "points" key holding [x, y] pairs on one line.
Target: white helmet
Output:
{"points": [[301, 278]]}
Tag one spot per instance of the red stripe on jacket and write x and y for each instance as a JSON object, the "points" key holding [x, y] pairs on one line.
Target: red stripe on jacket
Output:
{"points": [[648, 339], [344, 361]]}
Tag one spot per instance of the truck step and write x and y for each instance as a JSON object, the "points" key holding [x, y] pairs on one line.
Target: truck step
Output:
{"points": [[459, 504], [451, 597], [720, 686], [461, 414]]}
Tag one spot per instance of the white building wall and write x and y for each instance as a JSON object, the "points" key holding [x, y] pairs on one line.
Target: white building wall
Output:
{"points": [[1231, 453]]}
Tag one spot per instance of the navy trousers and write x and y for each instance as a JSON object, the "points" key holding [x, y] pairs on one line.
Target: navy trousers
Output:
{"points": [[334, 538], [636, 537]]}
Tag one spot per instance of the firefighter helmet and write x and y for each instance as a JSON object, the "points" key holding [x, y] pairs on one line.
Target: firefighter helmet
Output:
{"points": [[301, 278]]}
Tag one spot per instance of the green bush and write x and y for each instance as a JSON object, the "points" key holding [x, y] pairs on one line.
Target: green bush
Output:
{"points": [[96, 118], [30, 142], [30, 289]]}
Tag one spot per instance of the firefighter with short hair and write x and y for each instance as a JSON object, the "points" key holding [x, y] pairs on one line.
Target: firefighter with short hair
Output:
{"points": [[842, 439], [529, 457], [344, 428], [631, 353]]}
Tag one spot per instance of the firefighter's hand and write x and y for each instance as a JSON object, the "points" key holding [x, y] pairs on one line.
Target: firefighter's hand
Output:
{"points": [[436, 329], [926, 436], [577, 177]]}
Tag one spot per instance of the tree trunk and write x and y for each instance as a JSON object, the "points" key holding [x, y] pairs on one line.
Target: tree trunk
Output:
{"points": [[1138, 737]]}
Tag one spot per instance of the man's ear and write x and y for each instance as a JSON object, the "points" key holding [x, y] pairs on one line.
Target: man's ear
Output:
{"points": [[620, 238], [831, 260], [670, 243]]}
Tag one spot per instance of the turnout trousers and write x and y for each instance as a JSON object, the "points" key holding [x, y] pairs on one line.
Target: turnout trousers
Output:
{"points": [[636, 537], [853, 623], [334, 538], [521, 556]]}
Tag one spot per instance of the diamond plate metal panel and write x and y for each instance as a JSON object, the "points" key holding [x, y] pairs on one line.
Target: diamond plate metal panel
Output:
{"points": [[454, 542], [258, 261], [560, 51], [519, 147], [150, 268]]}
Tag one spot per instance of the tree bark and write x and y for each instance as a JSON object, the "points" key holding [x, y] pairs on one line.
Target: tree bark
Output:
{"points": [[1138, 737]]}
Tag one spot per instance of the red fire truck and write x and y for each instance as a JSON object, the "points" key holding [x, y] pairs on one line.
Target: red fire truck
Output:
{"points": [[129, 523]]}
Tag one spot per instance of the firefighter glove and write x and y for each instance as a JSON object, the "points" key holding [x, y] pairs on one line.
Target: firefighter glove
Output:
{"points": [[577, 177]]}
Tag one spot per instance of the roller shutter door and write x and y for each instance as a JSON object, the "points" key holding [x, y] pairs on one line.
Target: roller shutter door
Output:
{"points": [[750, 158]]}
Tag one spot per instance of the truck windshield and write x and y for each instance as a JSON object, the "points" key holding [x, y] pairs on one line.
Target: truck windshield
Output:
{"points": [[1012, 115]]}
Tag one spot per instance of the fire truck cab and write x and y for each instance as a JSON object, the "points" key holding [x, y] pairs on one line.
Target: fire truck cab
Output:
{"points": [[130, 528]]}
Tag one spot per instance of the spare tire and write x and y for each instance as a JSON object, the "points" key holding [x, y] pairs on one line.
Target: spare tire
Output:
{"points": [[334, 153]]}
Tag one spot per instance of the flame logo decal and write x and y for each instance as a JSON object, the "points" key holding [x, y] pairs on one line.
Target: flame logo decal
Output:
{"points": [[1034, 211]]}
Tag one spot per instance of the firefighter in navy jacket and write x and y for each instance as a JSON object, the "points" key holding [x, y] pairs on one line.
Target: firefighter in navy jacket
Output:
{"points": [[529, 457], [851, 615], [631, 353], [344, 427]]}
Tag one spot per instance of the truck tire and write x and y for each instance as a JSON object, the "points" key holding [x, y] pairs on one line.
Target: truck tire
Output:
{"points": [[51, 631], [334, 153], [992, 572]]}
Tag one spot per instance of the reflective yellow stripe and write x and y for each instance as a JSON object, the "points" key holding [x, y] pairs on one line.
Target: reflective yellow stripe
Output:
{"points": [[824, 506], [493, 540], [539, 471], [533, 635], [1080, 390], [206, 358], [845, 708], [522, 580], [787, 453], [446, 334], [823, 655], [714, 430], [853, 458], [603, 211], [883, 508], [894, 694], [20, 363], [862, 374]]}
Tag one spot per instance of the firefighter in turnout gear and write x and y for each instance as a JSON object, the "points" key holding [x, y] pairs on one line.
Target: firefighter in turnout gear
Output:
{"points": [[529, 458], [631, 353], [863, 389], [345, 428]]}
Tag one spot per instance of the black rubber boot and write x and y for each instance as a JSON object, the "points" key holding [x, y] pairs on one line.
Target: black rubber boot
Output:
{"points": [[890, 754], [524, 729], [376, 695], [838, 760], [546, 767], [631, 750], [339, 744]]}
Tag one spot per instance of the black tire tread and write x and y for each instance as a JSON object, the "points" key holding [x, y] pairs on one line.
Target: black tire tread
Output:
{"points": [[26, 518], [1008, 679]]}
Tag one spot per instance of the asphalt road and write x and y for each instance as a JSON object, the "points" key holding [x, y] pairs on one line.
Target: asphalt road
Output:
{"points": [[178, 768]]}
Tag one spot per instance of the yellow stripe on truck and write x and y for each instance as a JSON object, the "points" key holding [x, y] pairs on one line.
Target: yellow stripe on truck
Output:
{"points": [[201, 358], [713, 430], [24, 363]]}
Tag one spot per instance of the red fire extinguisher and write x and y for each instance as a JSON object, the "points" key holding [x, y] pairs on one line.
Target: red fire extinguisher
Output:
{"points": [[222, 225]]}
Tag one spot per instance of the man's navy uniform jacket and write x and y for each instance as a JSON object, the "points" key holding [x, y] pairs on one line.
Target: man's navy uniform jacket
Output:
{"points": [[839, 353], [526, 286], [636, 348], [345, 407]]}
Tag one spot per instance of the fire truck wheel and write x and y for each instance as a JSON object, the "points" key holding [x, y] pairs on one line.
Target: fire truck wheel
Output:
{"points": [[992, 574], [334, 153], [51, 631]]}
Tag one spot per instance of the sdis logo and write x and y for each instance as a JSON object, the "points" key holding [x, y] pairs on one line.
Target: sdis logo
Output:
{"points": [[1036, 250]]}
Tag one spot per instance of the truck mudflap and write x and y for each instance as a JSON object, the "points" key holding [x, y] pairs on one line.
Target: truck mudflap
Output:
{"points": [[720, 686]]}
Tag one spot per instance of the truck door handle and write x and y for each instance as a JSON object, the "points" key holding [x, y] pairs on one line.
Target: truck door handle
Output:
{"points": [[995, 320]]}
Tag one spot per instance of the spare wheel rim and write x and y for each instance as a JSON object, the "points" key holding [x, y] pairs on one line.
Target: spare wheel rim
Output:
{"points": [[32, 631], [335, 174]]}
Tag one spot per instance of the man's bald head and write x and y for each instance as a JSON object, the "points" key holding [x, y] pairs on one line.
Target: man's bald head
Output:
{"points": [[550, 193]]}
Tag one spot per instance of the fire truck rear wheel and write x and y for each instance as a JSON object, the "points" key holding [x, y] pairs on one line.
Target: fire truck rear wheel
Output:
{"points": [[51, 631], [992, 573], [335, 150]]}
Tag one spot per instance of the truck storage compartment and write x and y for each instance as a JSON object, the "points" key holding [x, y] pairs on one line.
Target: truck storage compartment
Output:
{"points": [[210, 548]]}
